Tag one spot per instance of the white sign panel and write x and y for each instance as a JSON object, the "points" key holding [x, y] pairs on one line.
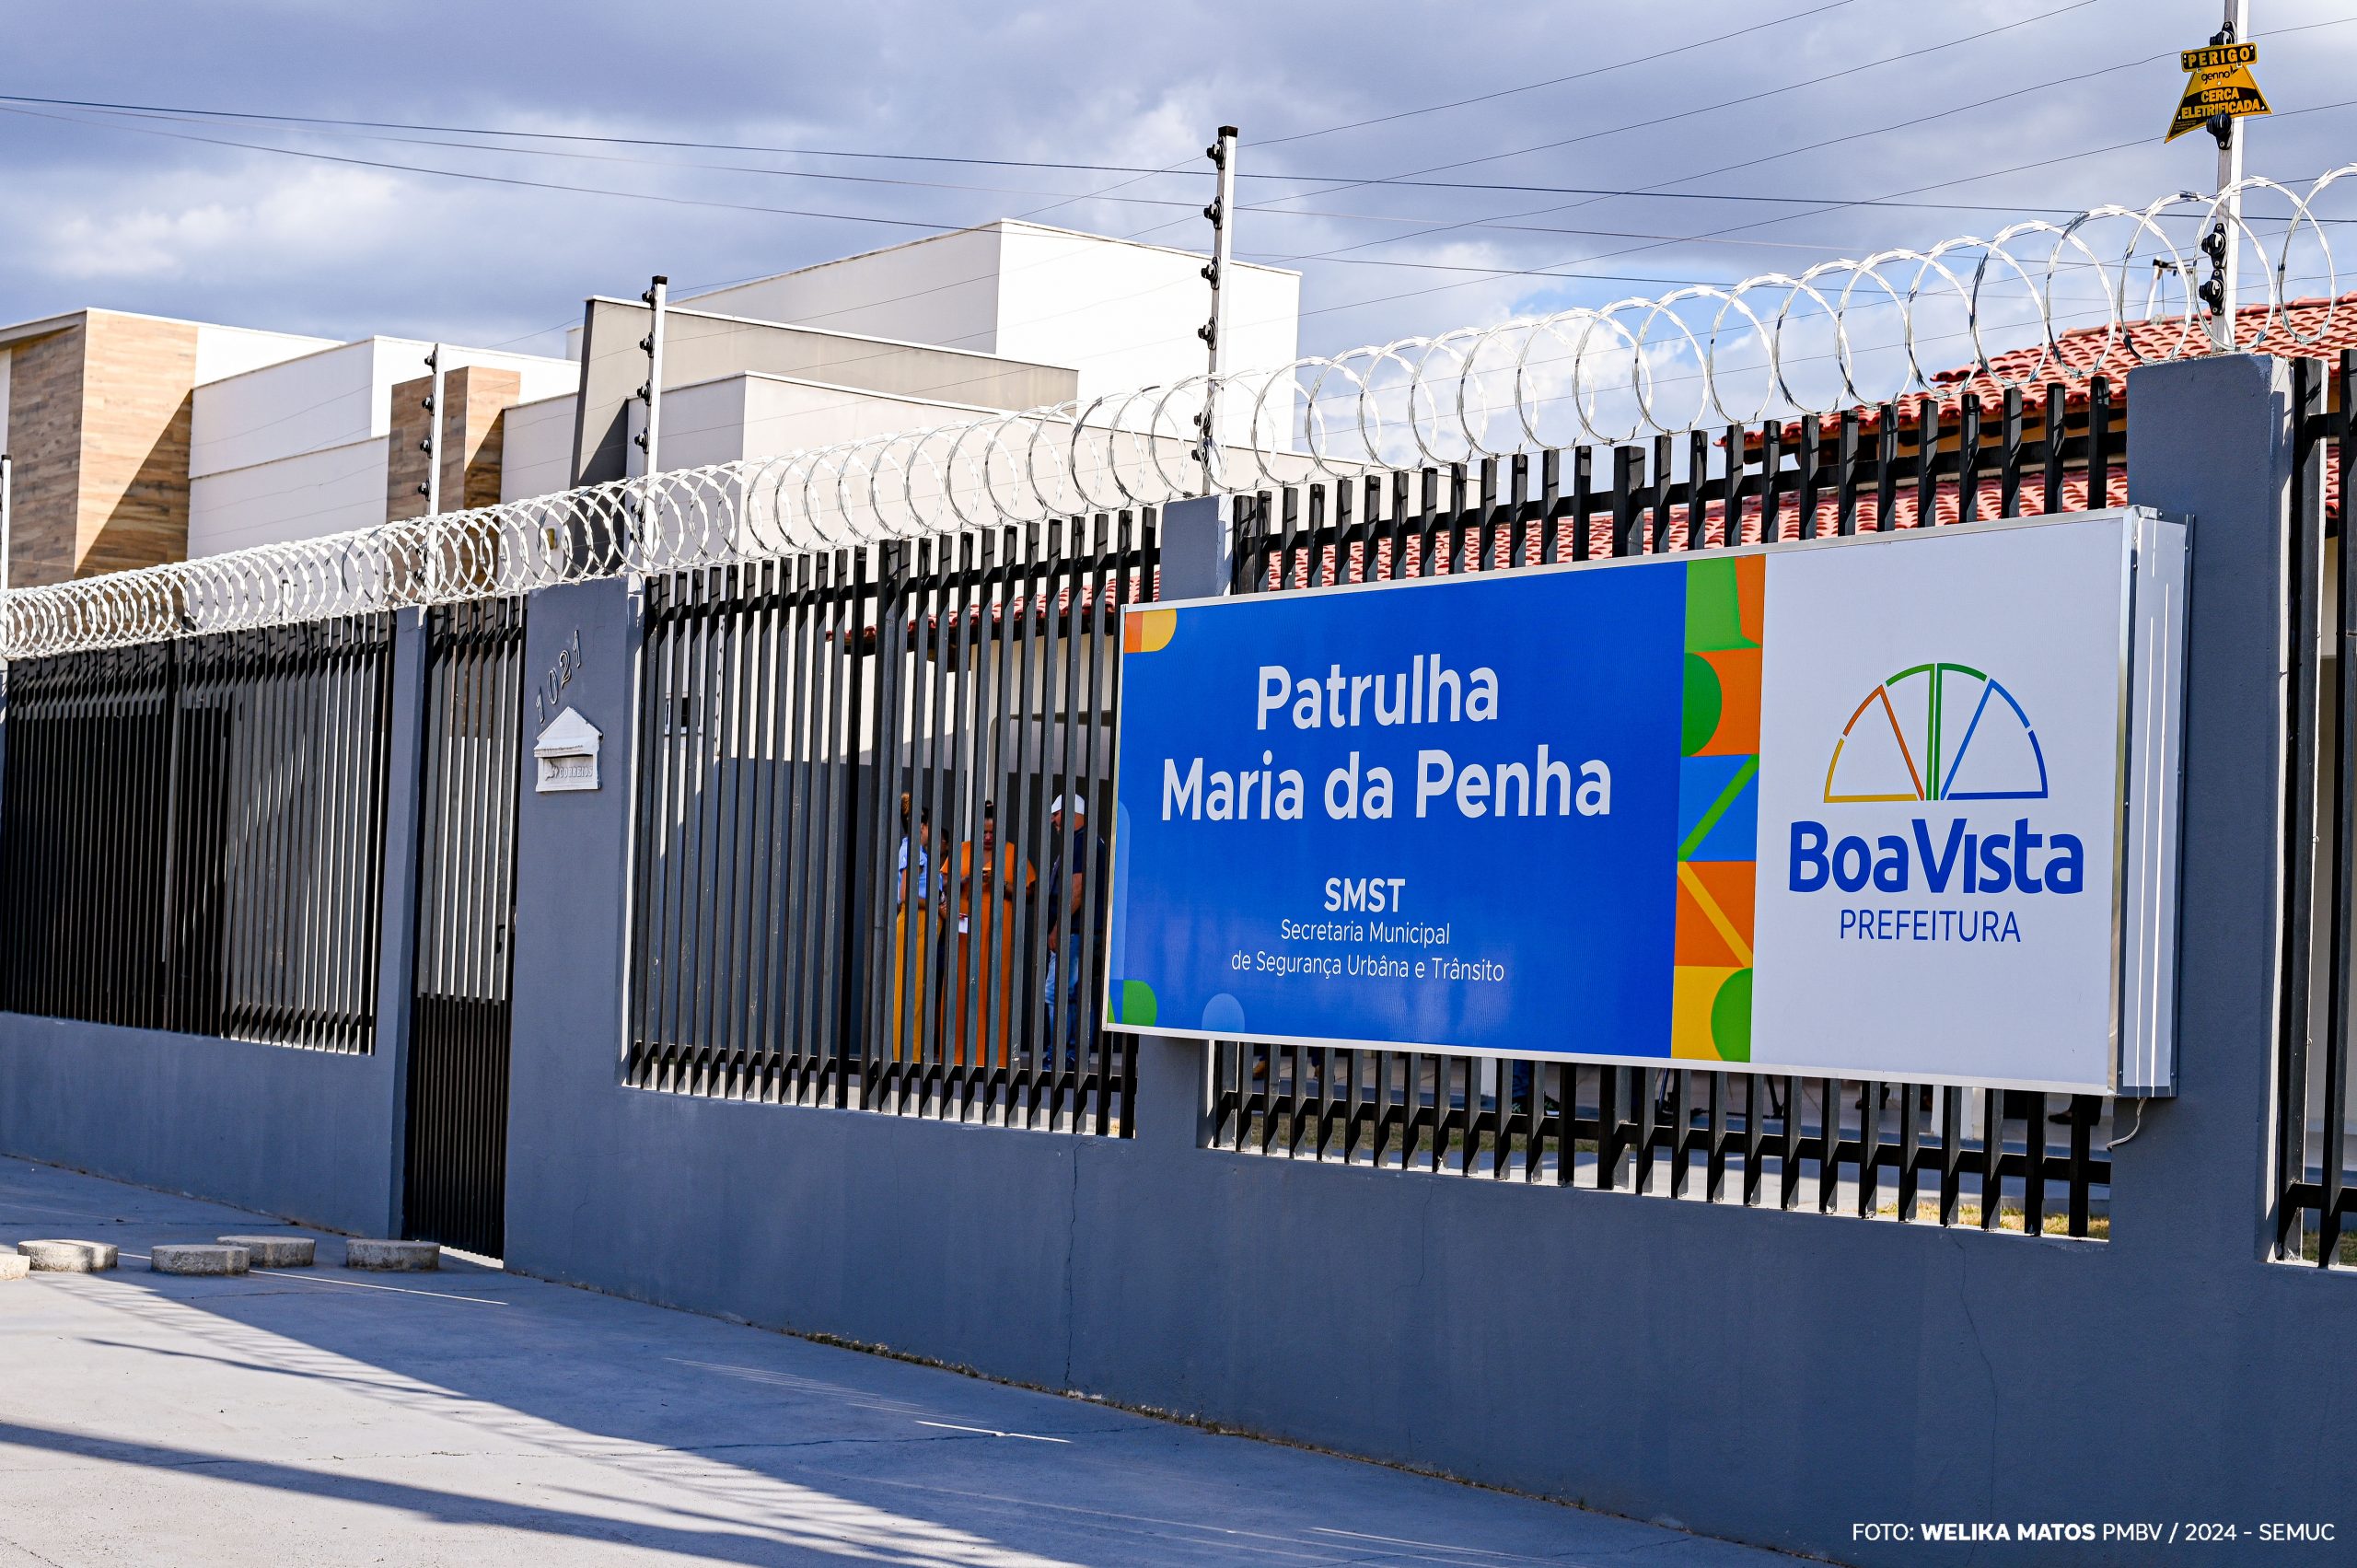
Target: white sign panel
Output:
{"points": [[1944, 735]]}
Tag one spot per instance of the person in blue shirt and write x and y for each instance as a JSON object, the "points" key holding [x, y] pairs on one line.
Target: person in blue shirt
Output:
{"points": [[1080, 877], [908, 968], [924, 857]]}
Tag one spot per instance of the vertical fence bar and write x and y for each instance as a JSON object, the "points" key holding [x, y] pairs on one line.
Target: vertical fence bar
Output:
{"points": [[2333, 1197], [1967, 457], [2303, 756]]}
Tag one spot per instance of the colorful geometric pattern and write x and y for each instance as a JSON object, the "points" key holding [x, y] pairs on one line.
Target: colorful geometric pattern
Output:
{"points": [[1718, 809], [1148, 631], [1143, 632], [1134, 1003], [1937, 732]]}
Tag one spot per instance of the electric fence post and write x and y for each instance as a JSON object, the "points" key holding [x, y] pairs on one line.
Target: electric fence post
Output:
{"points": [[431, 445], [2222, 291], [650, 437], [432, 487], [1222, 212]]}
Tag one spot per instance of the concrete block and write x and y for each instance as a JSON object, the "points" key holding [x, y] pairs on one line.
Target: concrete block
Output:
{"points": [[68, 1257], [15, 1266], [399, 1255], [274, 1252], [197, 1257]]}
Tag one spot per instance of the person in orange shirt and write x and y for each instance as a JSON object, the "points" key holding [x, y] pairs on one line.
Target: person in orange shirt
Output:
{"points": [[985, 972]]}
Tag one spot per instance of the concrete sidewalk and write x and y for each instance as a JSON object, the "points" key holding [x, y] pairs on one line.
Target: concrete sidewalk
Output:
{"points": [[470, 1416]]}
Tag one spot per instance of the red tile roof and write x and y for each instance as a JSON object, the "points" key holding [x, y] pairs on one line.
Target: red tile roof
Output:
{"points": [[2317, 327], [2313, 328]]}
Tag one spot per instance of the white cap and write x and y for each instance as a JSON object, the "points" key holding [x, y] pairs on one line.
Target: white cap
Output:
{"points": [[1071, 804]]}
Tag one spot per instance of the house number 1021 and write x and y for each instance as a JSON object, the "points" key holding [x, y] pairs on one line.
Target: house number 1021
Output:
{"points": [[549, 698]]}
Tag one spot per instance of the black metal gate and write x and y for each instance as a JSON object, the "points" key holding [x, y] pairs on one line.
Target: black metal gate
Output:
{"points": [[460, 1006]]}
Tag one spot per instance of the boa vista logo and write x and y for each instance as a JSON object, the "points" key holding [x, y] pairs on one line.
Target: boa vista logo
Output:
{"points": [[1937, 732], [1933, 733]]}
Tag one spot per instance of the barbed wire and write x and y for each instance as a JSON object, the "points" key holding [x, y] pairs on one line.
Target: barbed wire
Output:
{"points": [[1701, 356]]}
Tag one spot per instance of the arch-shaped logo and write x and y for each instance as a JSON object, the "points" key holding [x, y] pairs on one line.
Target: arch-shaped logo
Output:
{"points": [[1938, 731]]}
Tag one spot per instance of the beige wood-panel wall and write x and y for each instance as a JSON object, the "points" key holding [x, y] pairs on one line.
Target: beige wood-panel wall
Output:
{"points": [[473, 399], [99, 428]]}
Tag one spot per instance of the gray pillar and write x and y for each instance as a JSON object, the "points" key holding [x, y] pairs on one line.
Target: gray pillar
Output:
{"points": [[397, 919], [1196, 548], [571, 919], [1174, 1076], [2211, 440]]}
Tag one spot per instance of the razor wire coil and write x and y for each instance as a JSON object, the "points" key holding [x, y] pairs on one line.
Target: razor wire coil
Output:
{"points": [[1704, 355]]}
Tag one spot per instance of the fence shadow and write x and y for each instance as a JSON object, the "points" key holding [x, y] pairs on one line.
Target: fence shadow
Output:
{"points": [[666, 1430]]}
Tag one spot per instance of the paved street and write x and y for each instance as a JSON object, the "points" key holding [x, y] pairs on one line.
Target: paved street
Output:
{"points": [[324, 1417]]}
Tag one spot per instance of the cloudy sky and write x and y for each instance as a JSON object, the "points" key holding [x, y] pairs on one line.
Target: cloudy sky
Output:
{"points": [[1439, 157]]}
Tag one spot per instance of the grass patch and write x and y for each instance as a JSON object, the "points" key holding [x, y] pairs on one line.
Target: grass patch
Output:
{"points": [[2010, 1216], [2311, 1243]]}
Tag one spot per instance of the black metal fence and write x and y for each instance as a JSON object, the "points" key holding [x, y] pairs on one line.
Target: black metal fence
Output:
{"points": [[192, 834], [461, 995], [1953, 1155], [2313, 1155], [869, 866]]}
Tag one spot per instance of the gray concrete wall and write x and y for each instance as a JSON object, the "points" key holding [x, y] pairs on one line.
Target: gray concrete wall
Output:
{"points": [[1770, 1377], [299, 1134]]}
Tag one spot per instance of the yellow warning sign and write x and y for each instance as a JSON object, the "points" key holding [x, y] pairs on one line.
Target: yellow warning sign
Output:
{"points": [[2192, 59], [2217, 81]]}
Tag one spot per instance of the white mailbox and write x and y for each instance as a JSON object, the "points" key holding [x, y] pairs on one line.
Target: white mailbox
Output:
{"points": [[567, 754]]}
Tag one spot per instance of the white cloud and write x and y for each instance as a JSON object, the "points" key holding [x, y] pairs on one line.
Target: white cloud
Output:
{"points": [[271, 221]]}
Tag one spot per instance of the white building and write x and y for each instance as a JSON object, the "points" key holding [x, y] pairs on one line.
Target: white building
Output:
{"points": [[139, 439], [1008, 314], [303, 447], [1117, 313]]}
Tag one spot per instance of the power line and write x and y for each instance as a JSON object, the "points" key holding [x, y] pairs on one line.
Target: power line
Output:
{"points": [[1063, 199], [326, 127], [939, 228], [1649, 193], [1790, 152], [1959, 180], [586, 190], [1735, 101], [193, 117], [1684, 46], [1415, 175], [1962, 109], [1105, 194], [492, 179], [601, 138], [1066, 198]]}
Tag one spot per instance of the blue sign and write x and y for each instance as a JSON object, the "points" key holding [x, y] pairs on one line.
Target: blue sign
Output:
{"points": [[1454, 813]]}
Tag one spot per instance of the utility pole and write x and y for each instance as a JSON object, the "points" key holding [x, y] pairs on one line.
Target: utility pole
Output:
{"points": [[431, 445], [1222, 212], [650, 439], [2223, 245]]}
